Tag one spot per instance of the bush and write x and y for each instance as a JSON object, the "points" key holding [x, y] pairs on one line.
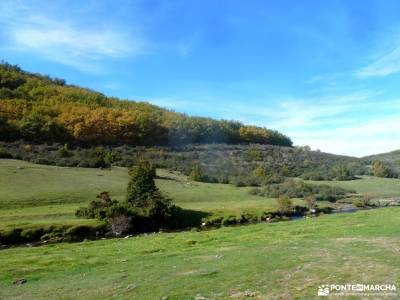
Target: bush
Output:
{"points": [[310, 201], [144, 210], [32, 234], [298, 189], [51, 234], [5, 154], [81, 232], [99, 209], [63, 151], [12, 236], [230, 220], [196, 174], [285, 205]]}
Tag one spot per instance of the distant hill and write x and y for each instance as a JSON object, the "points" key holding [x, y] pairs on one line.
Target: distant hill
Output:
{"points": [[41, 109], [389, 158], [392, 156]]}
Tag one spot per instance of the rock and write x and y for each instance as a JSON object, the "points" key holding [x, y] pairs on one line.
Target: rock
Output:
{"points": [[249, 293], [245, 294], [20, 281], [131, 287], [200, 297]]}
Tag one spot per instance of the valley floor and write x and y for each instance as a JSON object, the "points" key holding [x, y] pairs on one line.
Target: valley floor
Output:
{"points": [[283, 260], [38, 195]]}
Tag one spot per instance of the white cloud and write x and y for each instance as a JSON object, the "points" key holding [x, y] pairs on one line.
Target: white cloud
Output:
{"points": [[369, 137], [82, 47]]}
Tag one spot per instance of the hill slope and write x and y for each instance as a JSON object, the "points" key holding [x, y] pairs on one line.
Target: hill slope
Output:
{"points": [[392, 157], [41, 109]]}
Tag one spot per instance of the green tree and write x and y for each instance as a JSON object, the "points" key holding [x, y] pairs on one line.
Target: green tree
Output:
{"points": [[141, 184]]}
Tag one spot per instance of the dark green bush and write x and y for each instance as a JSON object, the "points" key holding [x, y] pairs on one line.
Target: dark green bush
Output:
{"points": [[81, 232], [12, 236], [5, 154], [230, 220], [32, 234]]}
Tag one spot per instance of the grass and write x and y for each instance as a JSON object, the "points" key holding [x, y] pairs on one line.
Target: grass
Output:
{"points": [[379, 187], [36, 195], [23, 184], [286, 260]]}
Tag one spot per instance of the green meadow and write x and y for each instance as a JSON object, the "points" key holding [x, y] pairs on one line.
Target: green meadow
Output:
{"points": [[32, 194], [284, 260]]}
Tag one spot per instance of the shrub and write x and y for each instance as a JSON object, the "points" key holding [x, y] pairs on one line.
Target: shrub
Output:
{"points": [[310, 201], [212, 221], [5, 154], [12, 236], [298, 189], [63, 151], [260, 171], [79, 233], [239, 182], [32, 234], [284, 204], [273, 178], [358, 203], [196, 174], [365, 201], [98, 208], [230, 220], [145, 209]]}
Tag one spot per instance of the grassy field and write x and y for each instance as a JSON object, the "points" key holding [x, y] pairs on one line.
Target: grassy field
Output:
{"points": [[379, 187], [39, 195], [43, 195], [286, 260], [272, 261]]}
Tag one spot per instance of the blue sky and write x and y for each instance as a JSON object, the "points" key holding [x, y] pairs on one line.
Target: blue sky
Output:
{"points": [[326, 73]]}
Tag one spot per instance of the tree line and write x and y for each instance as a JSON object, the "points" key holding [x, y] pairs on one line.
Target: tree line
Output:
{"points": [[39, 109]]}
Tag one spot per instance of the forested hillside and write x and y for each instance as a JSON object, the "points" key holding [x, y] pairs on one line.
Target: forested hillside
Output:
{"points": [[384, 164], [41, 109], [392, 157]]}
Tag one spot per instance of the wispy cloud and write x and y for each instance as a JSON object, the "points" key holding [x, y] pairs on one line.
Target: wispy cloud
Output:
{"points": [[386, 65], [65, 42]]}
